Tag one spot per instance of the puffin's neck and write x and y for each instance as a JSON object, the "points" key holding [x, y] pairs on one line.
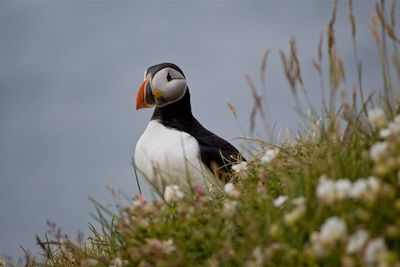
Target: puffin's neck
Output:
{"points": [[179, 111]]}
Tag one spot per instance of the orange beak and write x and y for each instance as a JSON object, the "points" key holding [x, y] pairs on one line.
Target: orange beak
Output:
{"points": [[141, 97]]}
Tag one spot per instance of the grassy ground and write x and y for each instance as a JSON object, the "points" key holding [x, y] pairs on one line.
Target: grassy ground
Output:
{"points": [[329, 198]]}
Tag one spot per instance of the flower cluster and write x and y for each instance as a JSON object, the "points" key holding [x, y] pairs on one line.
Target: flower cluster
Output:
{"points": [[231, 191], [240, 167], [229, 208], [375, 251], [172, 193], [379, 151], [279, 201], [357, 241], [293, 216], [117, 262], [385, 152], [158, 248], [392, 129], [269, 155], [332, 232], [377, 117], [364, 189], [372, 251]]}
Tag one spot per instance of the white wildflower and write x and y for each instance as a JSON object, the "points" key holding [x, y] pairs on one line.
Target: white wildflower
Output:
{"points": [[377, 117], [299, 201], [87, 262], [258, 256], [342, 189], [394, 126], [374, 250], [297, 213], [168, 246], [317, 246], [392, 129], [357, 241], [366, 189], [374, 184], [172, 193], [378, 151], [228, 188], [397, 119], [326, 190], [231, 191], [280, 200], [385, 133], [329, 191], [334, 229], [2, 263], [269, 155], [242, 166], [117, 262], [359, 189], [229, 208]]}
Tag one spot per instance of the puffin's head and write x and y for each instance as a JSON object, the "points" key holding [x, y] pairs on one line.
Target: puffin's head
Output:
{"points": [[163, 84]]}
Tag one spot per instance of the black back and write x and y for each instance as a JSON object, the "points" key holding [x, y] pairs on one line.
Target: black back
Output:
{"points": [[213, 149]]}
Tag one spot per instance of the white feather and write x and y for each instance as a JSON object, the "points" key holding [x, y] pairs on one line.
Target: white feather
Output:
{"points": [[172, 156]]}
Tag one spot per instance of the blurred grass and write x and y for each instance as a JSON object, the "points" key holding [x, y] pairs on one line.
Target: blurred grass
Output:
{"points": [[278, 212]]}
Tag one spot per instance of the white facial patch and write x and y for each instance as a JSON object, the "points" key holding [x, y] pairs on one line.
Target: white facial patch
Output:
{"points": [[168, 84]]}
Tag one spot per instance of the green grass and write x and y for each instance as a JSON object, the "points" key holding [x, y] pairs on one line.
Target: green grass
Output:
{"points": [[241, 225]]}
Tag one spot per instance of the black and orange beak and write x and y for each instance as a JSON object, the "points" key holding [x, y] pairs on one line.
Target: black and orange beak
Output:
{"points": [[145, 97]]}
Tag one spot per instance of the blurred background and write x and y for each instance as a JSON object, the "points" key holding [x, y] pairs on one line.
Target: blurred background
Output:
{"points": [[70, 70]]}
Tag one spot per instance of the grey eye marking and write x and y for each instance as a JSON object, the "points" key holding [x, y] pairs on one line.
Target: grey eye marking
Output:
{"points": [[169, 77]]}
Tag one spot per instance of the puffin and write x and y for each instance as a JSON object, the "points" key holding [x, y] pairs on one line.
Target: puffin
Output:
{"points": [[175, 148]]}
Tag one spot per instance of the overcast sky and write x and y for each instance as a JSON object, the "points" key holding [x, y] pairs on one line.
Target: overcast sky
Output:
{"points": [[70, 70]]}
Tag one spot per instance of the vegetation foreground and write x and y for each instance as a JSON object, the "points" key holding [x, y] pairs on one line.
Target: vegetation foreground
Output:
{"points": [[331, 197]]}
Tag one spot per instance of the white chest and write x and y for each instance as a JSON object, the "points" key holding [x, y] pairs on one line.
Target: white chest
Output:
{"points": [[169, 156]]}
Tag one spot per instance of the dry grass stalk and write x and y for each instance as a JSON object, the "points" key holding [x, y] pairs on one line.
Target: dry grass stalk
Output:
{"points": [[263, 66], [379, 20], [336, 67], [291, 67], [396, 64], [331, 32], [393, 13], [320, 43], [233, 109], [374, 24], [263, 69], [286, 68], [352, 19], [358, 65], [258, 103], [317, 63], [296, 63], [385, 26], [335, 71]]}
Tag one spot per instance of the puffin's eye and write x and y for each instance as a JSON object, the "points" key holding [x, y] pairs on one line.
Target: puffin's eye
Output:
{"points": [[169, 77]]}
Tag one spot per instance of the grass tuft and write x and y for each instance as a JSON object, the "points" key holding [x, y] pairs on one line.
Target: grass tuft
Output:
{"points": [[330, 197]]}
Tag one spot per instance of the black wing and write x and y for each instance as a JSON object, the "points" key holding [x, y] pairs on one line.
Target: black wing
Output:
{"points": [[214, 149]]}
